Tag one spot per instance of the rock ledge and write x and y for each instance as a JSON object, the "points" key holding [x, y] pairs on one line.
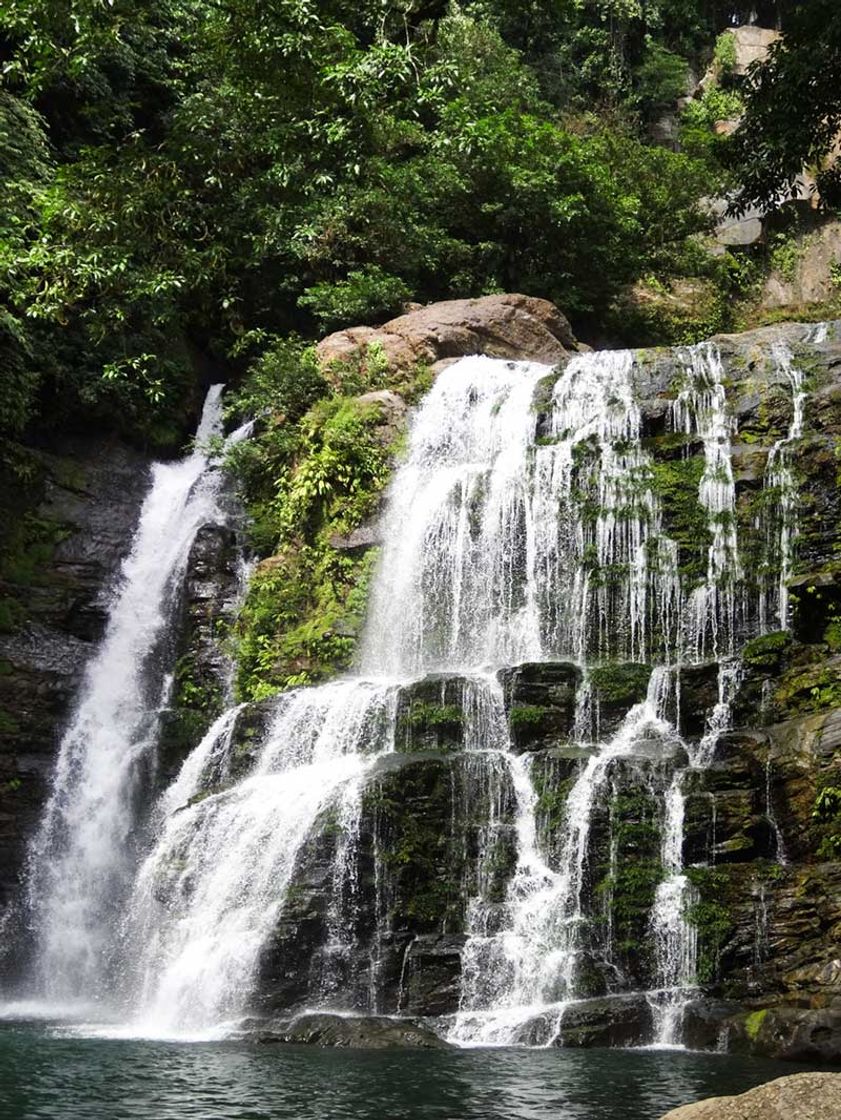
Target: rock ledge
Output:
{"points": [[802, 1096]]}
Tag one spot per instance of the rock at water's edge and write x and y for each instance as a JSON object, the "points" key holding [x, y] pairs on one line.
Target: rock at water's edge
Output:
{"points": [[802, 1096], [361, 1032]]}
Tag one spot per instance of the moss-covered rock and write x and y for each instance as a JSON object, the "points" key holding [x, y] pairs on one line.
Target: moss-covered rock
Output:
{"points": [[540, 700], [310, 489], [615, 690], [431, 715]]}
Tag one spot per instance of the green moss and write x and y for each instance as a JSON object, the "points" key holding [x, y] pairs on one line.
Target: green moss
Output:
{"points": [[813, 689], [675, 482], [710, 916], [8, 724], [766, 651], [620, 684], [444, 717], [26, 554], [832, 635], [421, 855], [634, 822], [552, 791], [528, 715], [753, 1023], [632, 888]]}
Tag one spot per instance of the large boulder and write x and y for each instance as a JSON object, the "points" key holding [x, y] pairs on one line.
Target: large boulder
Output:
{"points": [[502, 326], [739, 48], [750, 44], [803, 1096]]}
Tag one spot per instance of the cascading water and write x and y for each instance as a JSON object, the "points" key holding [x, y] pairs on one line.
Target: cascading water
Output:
{"points": [[528, 970], [527, 523], [780, 516], [82, 859], [218, 871]]}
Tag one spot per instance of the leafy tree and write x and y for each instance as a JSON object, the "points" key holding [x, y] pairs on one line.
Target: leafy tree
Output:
{"points": [[224, 170], [793, 111]]}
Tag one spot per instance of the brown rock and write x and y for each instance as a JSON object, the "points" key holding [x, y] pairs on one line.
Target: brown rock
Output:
{"points": [[803, 1096], [811, 279], [750, 44], [503, 326]]}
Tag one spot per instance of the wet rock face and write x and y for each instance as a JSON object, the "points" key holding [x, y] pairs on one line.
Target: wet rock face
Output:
{"points": [[618, 1021], [386, 935], [766, 905], [82, 511], [202, 667], [540, 703]]}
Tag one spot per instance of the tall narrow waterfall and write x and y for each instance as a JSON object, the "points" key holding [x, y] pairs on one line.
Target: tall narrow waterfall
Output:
{"points": [[83, 858], [530, 529]]}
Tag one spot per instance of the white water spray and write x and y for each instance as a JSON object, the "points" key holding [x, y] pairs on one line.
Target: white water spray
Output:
{"points": [[81, 860]]}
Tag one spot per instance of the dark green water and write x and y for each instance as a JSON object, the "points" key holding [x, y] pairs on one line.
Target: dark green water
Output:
{"points": [[45, 1077]]}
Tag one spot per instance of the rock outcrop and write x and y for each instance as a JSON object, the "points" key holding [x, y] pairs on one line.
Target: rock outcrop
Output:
{"points": [[503, 326], [809, 275], [203, 670], [803, 1096]]}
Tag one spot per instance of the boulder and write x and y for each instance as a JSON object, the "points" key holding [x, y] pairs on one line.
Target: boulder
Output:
{"points": [[359, 1032], [802, 1096], [624, 1020], [744, 45], [791, 1034], [502, 326], [392, 414]]}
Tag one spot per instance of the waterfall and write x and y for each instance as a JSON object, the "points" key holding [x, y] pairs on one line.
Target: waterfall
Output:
{"points": [[221, 864], [81, 860], [528, 969], [453, 588], [780, 516], [676, 942], [701, 409], [529, 522]]}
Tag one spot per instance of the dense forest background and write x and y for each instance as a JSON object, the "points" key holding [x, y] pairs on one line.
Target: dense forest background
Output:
{"points": [[189, 186]]}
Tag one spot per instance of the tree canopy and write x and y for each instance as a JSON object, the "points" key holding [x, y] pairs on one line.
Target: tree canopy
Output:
{"points": [[188, 180]]}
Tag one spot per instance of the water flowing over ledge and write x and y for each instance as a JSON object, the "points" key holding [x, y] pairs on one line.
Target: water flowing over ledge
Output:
{"points": [[526, 526]]}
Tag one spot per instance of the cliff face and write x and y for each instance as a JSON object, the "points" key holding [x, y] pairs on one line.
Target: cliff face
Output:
{"points": [[71, 524]]}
